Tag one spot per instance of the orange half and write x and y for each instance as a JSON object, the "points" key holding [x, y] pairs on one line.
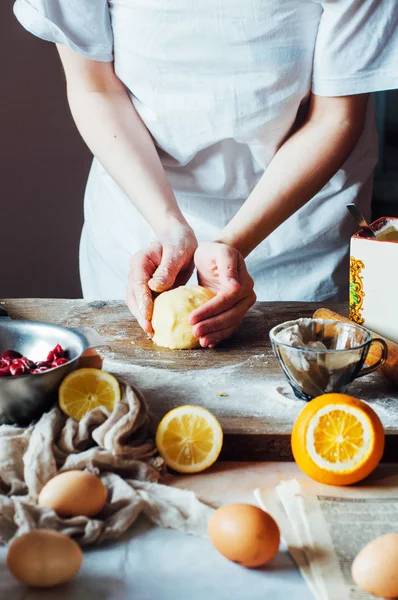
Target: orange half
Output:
{"points": [[337, 439]]}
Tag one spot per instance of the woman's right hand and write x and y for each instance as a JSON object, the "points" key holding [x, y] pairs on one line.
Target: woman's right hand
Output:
{"points": [[166, 263]]}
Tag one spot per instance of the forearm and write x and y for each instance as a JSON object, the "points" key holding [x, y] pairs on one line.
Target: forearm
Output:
{"points": [[301, 167], [112, 129]]}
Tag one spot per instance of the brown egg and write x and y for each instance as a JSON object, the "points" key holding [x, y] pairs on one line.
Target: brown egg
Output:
{"points": [[244, 534], [90, 359], [44, 558], [375, 568], [74, 493]]}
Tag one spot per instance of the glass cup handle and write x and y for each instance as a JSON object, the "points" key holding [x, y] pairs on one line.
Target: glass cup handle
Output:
{"points": [[380, 362]]}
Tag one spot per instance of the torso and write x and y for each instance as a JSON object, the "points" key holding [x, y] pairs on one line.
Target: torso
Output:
{"points": [[218, 84]]}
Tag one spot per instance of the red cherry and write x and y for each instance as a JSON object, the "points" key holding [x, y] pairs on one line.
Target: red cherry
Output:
{"points": [[18, 362], [58, 351], [39, 370], [17, 369], [59, 361], [13, 363], [44, 363], [29, 364]]}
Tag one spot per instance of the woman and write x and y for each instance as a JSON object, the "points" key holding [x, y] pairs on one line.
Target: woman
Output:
{"points": [[228, 135]]}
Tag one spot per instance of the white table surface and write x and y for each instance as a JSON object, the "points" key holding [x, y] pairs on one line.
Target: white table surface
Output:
{"points": [[157, 564]]}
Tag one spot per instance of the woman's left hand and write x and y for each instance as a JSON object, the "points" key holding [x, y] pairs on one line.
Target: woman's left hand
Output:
{"points": [[221, 269]]}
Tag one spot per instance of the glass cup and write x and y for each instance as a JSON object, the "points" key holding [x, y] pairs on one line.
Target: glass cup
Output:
{"points": [[321, 356]]}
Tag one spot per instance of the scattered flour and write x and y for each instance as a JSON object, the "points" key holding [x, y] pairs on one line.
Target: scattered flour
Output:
{"points": [[255, 400], [244, 397]]}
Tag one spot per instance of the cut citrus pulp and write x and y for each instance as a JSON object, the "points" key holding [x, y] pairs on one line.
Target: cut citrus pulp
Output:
{"points": [[85, 389], [337, 439], [189, 438]]}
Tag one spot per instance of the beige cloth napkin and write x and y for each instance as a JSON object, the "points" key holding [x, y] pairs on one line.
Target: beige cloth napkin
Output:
{"points": [[114, 446]]}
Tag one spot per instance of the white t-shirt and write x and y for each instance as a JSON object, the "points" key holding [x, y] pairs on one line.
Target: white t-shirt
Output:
{"points": [[218, 84]]}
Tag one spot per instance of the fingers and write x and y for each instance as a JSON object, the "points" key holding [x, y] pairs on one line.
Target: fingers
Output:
{"points": [[224, 300], [212, 331], [131, 302], [228, 266], [221, 268], [223, 320], [144, 303], [184, 275], [216, 337], [139, 296], [156, 269], [168, 270]]}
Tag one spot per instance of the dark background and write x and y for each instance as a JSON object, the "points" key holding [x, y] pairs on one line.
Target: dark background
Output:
{"points": [[44, 166]]}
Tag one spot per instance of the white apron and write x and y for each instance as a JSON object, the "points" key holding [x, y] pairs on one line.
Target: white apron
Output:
{"points": [[218, 84]]}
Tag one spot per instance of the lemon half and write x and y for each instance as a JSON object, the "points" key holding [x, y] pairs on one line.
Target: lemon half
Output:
{"points": [[189, 438], [85, 389]]}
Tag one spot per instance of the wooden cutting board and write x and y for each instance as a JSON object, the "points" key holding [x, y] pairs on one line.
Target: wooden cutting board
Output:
{"points": [[240, 382]]}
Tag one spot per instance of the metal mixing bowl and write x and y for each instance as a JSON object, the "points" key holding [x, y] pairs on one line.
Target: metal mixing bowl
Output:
{"points": [[25, 398]]}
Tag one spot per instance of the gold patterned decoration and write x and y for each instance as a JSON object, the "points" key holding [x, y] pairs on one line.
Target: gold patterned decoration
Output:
{"points": [[356, 290]]}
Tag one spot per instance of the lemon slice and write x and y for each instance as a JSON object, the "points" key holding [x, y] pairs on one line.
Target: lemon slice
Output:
{"points": [[189, 438], [86, 389]]}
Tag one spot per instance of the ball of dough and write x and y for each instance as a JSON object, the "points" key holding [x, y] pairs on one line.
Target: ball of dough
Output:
{"points": [[171, 311]]}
